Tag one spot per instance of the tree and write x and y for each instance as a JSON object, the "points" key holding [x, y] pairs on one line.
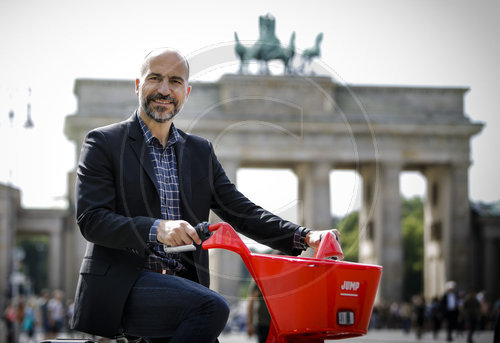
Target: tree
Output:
{"points": [[35, 263], [413, 246], [348, 228]]}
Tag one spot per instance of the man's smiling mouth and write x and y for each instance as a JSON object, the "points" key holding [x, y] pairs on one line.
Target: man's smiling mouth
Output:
{"points": [[163, 100]]}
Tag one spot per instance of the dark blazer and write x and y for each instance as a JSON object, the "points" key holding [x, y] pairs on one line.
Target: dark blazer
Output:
{"points": [[118, 201]]}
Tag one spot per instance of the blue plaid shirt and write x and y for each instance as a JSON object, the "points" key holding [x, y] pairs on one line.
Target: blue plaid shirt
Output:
{"points": [[165, 167]]}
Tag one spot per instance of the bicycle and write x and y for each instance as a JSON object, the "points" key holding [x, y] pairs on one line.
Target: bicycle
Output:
{"points": [[309, 299]]}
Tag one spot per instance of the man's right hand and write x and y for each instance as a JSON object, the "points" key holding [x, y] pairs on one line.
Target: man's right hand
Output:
{"points": [[176, 232]]}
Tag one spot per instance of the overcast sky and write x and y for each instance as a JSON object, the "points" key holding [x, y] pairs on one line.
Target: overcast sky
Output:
{"points": [[46, 45]]}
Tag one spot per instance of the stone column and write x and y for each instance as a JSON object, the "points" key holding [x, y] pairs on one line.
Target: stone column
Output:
{"points": [[436, 229], [314, 193], [381, 218], [458, 260], [55, 258], [225, 266], [9, 207], [447, 239], [367, 252]]}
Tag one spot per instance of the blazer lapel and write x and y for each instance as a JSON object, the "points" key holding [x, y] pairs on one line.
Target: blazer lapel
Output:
{"points": [[138, 145], [183, 170]]}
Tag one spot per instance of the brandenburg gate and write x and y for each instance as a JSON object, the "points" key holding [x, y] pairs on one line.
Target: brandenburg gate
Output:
{"points": [[314, 125]]}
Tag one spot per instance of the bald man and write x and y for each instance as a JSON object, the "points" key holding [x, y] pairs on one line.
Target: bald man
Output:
{"points": [[142, 184]]}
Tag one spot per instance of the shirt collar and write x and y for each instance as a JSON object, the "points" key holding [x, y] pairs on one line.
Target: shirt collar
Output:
{"points": [[173, 136]]}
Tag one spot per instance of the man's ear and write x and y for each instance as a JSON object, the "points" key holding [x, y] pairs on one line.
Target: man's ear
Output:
{"points": [[137, 82], [188, 90]]}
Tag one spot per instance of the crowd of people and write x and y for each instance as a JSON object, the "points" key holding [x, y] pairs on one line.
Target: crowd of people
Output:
{"points": [[32, 318], [456, 314]]}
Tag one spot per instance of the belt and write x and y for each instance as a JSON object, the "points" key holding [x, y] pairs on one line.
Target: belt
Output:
{"points": [[164, 271]]}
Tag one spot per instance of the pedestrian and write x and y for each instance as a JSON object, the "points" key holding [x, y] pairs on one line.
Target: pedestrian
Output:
{"points": [[405, 315], [395, 316], [472, 314], [419, 314], [258, 319], [10, 318], [436, 316], [29, 320], [374, 319], [485, 311], [450, 306], [44, 312], [143, 184], [460, 327], [56, 313]]}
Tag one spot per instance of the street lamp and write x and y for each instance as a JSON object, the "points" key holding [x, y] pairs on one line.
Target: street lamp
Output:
{"points": [[29, 122], [11, 117]]}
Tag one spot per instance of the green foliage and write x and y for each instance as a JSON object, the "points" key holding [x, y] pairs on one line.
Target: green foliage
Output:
{"points": [[413, 246], [35, 263], [348, 228]]}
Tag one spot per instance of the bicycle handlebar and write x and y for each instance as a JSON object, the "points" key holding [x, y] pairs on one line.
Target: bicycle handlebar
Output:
{"points": [[203, 231], [329, 247]]}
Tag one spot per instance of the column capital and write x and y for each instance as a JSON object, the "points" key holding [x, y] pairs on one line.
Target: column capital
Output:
{"points": [[460, 164]]}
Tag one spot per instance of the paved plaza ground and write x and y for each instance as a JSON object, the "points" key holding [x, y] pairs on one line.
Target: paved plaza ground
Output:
{"points": [[379, 336], [373, 336]]}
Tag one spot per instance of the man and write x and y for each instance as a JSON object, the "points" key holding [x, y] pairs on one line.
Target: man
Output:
{"points": [[471, 313], [142, 184], [449, 306], [262, 318]]}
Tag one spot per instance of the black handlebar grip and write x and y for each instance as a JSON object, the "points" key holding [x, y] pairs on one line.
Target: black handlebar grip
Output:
{"points": [[203, 231]]}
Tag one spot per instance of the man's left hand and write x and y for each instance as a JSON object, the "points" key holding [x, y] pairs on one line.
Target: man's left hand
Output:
{"points": [[313, 238]]}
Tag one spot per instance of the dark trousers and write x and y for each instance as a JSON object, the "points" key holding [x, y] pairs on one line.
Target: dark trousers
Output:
{"points": [[170, 306], [262, 333], [451, 323]]}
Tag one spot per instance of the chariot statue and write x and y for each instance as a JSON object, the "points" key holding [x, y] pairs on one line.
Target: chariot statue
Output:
{"points": [[268, 47]]}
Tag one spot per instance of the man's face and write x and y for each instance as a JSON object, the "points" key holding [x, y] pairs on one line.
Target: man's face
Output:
{"points": [[163, 87]]}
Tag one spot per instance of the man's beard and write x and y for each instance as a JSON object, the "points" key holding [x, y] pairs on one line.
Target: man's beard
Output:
{"points": [[159, 114]]}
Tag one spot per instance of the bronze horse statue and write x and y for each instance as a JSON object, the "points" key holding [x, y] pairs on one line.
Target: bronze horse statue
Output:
{"points": [[311, 53]]}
